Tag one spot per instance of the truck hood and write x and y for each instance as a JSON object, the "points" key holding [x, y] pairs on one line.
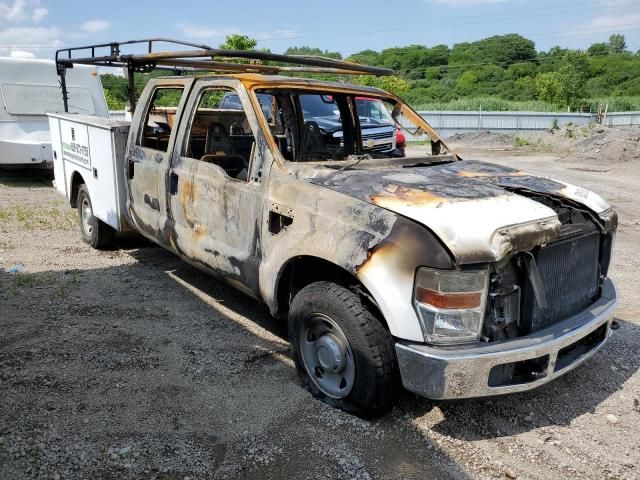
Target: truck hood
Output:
{"points": [[480, 211]]}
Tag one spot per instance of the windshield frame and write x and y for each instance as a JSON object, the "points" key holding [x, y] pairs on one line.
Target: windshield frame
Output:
{"points": [[439, 147]]}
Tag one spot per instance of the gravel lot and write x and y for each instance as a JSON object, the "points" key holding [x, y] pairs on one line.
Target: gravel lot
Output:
{"points": [[131, 364]]}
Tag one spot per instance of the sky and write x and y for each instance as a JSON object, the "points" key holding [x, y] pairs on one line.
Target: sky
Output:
{"points": [[38, 27]]}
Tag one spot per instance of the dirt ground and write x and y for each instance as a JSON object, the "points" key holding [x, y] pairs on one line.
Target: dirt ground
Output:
{"points": [[131, 364]]}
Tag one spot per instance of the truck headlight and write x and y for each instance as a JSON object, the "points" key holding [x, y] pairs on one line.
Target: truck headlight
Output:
{"points": [[450, 304]]}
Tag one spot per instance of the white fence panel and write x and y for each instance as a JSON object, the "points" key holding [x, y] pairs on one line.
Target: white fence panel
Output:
{"points": [[619, 119], [124, 115], [450, 123]]}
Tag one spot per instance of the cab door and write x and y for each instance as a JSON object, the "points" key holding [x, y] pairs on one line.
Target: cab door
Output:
{"points": [[148, 155], [216, 197]]}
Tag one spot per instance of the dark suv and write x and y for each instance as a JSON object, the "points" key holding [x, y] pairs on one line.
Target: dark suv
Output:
{"points": [[379, 132]]}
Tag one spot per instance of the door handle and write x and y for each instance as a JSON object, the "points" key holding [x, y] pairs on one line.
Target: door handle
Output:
{"points": [[173, 183], [130, 168]]}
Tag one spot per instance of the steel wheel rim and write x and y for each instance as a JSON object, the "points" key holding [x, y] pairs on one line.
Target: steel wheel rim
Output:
{"points": [[327, 356], [87, 217]]}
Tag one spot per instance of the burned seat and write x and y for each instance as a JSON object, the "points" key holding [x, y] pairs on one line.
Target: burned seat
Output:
{"points": [[313, 146], [219, 151]]}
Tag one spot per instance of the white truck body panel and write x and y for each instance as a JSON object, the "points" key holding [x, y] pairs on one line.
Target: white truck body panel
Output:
{"points": [[94, 148], [29, 89]]}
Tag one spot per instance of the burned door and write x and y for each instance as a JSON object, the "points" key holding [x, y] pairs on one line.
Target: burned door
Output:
{"points": [[215, 201], [148, 153]]}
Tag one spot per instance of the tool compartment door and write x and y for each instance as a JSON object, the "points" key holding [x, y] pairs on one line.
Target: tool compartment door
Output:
{"points": [[93, 148]]}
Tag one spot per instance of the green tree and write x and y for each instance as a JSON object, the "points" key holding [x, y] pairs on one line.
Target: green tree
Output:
{"points": [[365, 57], [467, 82], [599, 50], [113, 103], [617, 43], [392, 83], [499, 49], [238, 42], [557, 51], [573, 75], [548, 87], [115, 90], [433, 73], [313, 52], [521, 70]]}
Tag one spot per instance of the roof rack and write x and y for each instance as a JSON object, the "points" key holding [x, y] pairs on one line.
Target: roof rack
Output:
{"points": [[199, 58]]}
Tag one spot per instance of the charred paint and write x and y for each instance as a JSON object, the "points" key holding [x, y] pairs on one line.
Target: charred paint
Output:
{"points": [[188, 193], [394, 193], [380, 220], [406, 246], [475, 217], [151, 202]]}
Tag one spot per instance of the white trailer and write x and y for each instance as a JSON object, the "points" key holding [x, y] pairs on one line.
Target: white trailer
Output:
{"points": [[90, 151], [29, 89]]}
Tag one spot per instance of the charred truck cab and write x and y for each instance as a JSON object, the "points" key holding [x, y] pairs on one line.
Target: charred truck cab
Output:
{"points": [[454, 278]]}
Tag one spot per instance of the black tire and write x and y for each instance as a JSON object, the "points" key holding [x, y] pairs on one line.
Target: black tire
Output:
{"points": [[94, 231], [376, 383]]}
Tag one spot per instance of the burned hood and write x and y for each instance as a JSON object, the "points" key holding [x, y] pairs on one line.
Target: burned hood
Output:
{"points": [[480, 211]]}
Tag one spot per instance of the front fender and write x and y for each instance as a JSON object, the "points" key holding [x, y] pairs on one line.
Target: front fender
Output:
{"points": [[381, 249]]}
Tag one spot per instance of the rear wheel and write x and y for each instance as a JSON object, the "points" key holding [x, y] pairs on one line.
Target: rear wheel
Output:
{"points": [[94, 231], [344, 355]]}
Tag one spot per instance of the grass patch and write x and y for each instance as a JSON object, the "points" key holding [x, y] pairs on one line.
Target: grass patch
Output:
{"points": [[68, 283], [537, 145], [16, 182], [616, 104], [521, 142], [488, 104], [30, 280], [60, 283], [34, 218], [495, 104]]}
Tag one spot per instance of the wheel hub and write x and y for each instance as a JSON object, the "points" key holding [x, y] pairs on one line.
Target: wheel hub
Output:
{"points": [[87, 217], [331, 353], [327, 355]]}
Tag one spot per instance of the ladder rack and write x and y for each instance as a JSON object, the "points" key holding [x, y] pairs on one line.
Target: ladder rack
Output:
{"points": [[197, 58]]}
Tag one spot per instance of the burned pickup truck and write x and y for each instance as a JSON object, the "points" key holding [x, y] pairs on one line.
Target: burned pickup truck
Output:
{"points": [[454, 278]]}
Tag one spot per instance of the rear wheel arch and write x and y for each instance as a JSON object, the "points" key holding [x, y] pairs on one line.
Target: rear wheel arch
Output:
{"points": [[74, 186]]}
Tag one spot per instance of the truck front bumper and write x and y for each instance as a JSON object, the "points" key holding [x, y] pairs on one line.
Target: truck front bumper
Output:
{"points": [[467, 371]]}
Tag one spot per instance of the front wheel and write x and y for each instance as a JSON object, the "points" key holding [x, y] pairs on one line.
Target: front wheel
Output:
{"points": [[344, 355], [94, 231]]}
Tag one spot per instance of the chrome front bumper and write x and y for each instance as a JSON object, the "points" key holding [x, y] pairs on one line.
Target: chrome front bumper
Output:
{"points": [[464, 371]]}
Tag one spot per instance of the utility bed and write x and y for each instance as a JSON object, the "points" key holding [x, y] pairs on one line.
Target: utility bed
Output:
{"points": [[94, 148]]}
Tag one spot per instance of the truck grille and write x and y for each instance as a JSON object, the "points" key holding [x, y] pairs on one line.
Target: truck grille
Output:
{"points": [[378, 137], [381, 148], [569, 270]]}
